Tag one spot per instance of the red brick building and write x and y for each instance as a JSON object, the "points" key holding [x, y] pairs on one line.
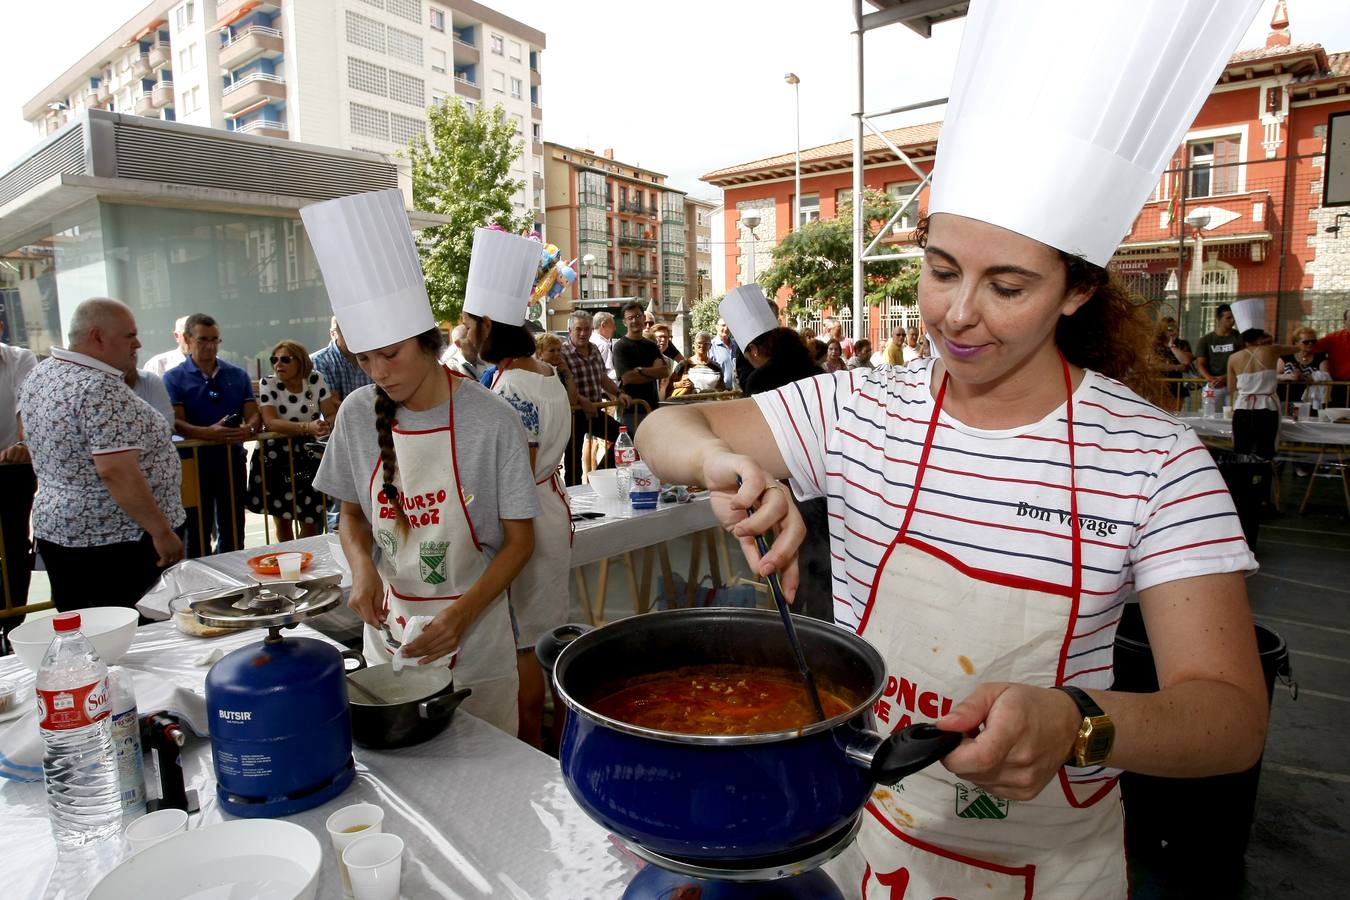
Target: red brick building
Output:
{"points": [[1247, 181]]}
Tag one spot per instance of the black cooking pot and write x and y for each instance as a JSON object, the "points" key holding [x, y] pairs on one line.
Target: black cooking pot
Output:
{"points": [[398, 710], [725, 797]]}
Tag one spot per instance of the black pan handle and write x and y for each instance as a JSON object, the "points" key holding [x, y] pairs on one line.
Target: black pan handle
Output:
{"points": [[353, 656], [444, 705], [550, 646], [889, 759]]}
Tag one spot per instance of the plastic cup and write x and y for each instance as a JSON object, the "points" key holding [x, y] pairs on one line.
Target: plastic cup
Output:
{"points": [[154, 827], [1228, 412], [288, 565], [375, 863], [348, 825]]}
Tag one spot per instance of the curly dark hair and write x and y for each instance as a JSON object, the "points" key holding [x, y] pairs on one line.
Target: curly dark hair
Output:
{"points": [[1112, 333]]}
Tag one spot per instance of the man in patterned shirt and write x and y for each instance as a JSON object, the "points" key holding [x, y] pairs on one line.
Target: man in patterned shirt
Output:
{"points": [[338, 365], [588, 386], [108, 496]]}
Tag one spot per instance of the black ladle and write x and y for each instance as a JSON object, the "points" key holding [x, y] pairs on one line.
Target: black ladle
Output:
{"points": [[776, 587]]}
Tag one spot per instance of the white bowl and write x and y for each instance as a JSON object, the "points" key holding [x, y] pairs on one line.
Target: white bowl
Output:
{"points": [[109, 628], [243, 859], [336, 552], [605, 483]]}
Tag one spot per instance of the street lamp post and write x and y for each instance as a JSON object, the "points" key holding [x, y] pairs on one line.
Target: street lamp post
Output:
{"points": [[586, 262], [751, 222], [793, 80]]}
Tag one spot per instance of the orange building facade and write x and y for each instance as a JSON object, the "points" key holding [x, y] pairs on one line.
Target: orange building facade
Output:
{"points": [[1240, 212]]}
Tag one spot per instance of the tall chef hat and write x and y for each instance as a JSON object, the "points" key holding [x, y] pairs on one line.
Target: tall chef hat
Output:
{"points": [[1249, 314], [370, 268], [501, 275], [748, 313], [1064, 113]]}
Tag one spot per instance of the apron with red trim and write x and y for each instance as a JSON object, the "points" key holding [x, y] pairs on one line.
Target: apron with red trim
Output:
{"points": [[430, 562], [943, 628], [537, 602]]}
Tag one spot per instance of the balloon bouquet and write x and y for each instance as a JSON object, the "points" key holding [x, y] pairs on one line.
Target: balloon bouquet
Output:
{"points": [[553, 277]]}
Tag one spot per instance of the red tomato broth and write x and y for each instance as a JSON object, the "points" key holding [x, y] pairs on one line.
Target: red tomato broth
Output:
{"points": [[718, 700]]}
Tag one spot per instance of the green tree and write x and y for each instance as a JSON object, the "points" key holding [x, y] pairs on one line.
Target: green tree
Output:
{"points": [[463, 172], [816, 262], [704, 314]]}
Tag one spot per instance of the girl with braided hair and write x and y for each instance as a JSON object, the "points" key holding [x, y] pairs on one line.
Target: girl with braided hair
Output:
{"points": [[432, 469]]}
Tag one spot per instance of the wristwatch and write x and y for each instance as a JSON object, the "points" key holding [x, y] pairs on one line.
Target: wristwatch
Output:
{"points": [[1096, 733]]}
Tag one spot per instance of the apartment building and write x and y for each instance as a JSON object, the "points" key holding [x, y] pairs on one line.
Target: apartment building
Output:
{"points": [[353, 74], [698, 216], [622, 223]]}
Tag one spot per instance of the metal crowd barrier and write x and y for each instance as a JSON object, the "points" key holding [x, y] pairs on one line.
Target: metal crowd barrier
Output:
{"points": [[1186, 393]]}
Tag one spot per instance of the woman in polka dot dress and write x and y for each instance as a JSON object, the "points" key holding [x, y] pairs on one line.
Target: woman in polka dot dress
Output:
{"points": [[296, 402]]}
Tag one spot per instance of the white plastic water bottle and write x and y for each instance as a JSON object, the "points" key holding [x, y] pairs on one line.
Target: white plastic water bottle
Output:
{"points": [[78, 762], [1209, 407], [126, 734], [645, 488], [624, 457]]}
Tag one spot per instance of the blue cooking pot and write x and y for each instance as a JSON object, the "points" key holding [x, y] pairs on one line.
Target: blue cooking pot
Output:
{"points": [[725, 797]]}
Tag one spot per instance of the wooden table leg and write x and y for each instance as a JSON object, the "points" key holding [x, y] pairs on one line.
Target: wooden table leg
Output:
{"points": [[714, 563], [643, 599], [667, 574], [695, 558], [632, 580], [584, 595], [1312, 477], [600, 590]]}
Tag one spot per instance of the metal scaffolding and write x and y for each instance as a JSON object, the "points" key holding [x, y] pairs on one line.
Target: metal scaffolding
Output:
{"points": [[919, 16]]}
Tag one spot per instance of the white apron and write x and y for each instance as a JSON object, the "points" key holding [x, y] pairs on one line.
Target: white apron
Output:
{"points": [[429, 563], [944, 628], [537, 603]]}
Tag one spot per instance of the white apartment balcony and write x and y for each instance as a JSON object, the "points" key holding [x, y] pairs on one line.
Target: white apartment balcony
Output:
{"points": [[250, 43], [229, 10], [465, 53], [140, 67], [534, 77], [159, 55], [536, 112], [103, 94], [162, 95], [257, 87], [466, 88], [144, 105], [263, 127]]}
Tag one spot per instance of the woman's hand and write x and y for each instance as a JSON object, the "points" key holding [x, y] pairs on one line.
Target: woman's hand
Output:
{"points": [[1026, 738], [322, 427], [775, 513], [684, 384], [367, 595], [442, 634]]}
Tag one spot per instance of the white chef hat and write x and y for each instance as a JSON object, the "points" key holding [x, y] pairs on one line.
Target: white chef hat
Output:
{"points": [[502, 270], [1064, 113], [1249, 313], [748, 313], [370, 268]]}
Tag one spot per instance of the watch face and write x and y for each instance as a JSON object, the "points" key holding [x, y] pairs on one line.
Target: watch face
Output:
{"points": [[1101, 735]]}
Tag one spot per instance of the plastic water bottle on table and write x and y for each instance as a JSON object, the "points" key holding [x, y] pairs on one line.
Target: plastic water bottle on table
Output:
{"points": [[624, 457], [75, 716]]}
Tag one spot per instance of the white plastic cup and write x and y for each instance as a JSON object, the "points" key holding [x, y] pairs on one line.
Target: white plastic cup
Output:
{"points": [[154, 827], [1228, 412], [375, 863], [288, 565], [366, 818]]}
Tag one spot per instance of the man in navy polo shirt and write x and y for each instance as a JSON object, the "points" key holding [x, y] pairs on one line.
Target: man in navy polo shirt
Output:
{"points": [[213, 401]]}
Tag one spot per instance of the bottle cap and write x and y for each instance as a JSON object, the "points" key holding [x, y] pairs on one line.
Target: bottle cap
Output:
{"points": [[66, 622], [623, 429]]}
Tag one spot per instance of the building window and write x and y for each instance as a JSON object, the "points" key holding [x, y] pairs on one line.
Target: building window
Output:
{"points": [[407, 89], [405, 46], [810, 209], [499, 82], [470, 107], [437, 19], [365, 32], [498, 45], [367, 77], [841, 199], [437, 60], [899, 190], [517, 89], [437, 98], [187, 14], [405, 129], [187, 58], [407, 9], [515, 51], [538, 133], [519, 124], [1214, 166], [368, 121]]}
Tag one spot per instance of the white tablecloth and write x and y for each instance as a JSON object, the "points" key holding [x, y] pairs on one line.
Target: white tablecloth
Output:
{"points": [[482, 814], [1290, 431]]}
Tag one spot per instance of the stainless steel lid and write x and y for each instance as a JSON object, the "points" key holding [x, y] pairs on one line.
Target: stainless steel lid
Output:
{"points": [[266, 605], [377, 685]]}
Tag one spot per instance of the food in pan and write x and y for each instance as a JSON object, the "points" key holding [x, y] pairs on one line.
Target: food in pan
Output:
{"points": [[266, 564], [718, 700]]}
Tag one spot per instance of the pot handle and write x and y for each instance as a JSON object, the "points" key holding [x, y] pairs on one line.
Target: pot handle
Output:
{"points": [[442, 706], [550, 645], [353, 656], [903, 753]]}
